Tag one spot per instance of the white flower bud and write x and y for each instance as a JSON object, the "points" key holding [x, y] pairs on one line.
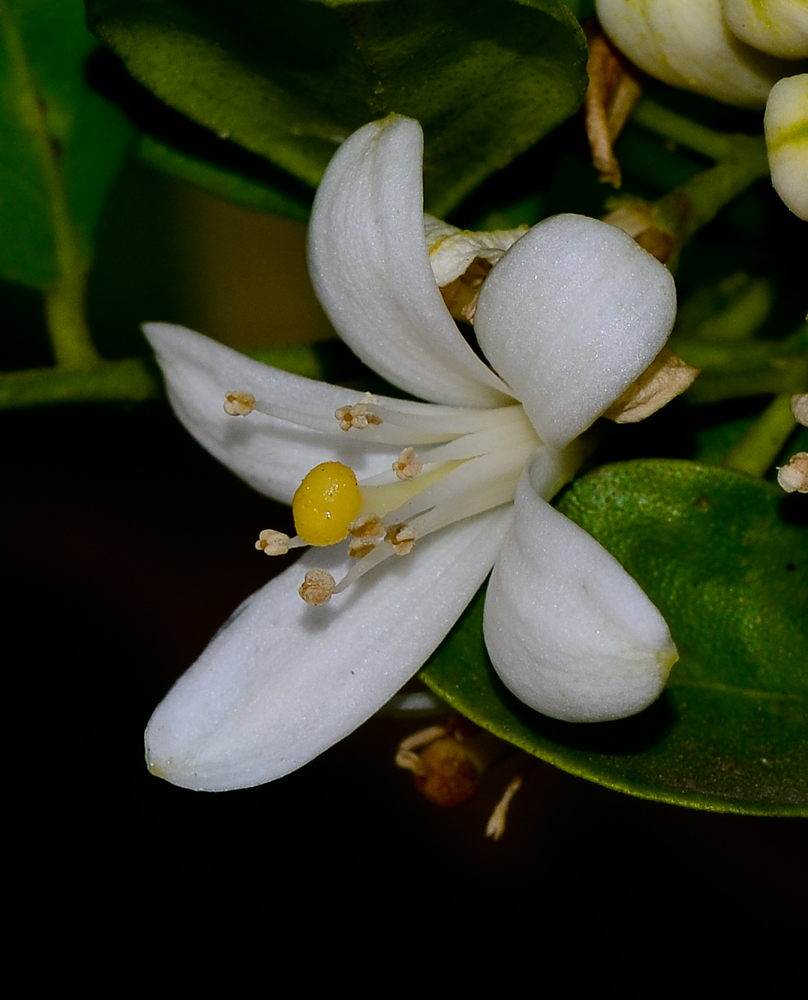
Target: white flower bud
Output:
{"points": [[786, 127], [687, 44], [779, 27]]}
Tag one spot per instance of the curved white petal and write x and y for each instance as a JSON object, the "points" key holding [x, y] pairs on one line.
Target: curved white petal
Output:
{"points": [[570, 316], [371, 272], [282, 681], [452, 251], [270, 454], [568, 630]]}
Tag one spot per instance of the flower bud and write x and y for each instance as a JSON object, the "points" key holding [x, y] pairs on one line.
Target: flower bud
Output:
{"points": [[786, 126], [779, 27], [687, 44]]}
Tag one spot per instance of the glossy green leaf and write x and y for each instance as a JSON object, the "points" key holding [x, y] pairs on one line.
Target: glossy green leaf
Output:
{"points": [[62, 142], [725, 558], [227, 181], [290, 80]]}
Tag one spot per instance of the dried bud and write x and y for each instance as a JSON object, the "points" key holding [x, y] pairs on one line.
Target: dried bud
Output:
{"points": [[665, 378]]}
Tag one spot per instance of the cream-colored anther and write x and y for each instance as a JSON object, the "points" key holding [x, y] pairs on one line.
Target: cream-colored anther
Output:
{"points": [[406, 757], [358, 415], [794, 476], [358, 548], [496, 823], [239, 404], [366, 532], [317, 587], [401, 537], [799, 407], [367, 526], [273, 543], [406, 465]]}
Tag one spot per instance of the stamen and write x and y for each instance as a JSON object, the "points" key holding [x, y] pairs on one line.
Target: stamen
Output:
{"points": [[367, 526], [239, 404], [401, 537], [358, 548], [406, 757], [367, 532], [793, 477], [358, 415], [496, 822], [407, 465], [273, 543], [317, 587]]}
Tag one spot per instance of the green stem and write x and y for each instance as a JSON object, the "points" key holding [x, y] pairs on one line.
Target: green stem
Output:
{"points": [[65, 297], [760, 446], [699, 138], [699, 201], [132, 380], [66, 318]]}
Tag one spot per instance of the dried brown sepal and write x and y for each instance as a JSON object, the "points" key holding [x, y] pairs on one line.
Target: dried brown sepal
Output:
{"points": [[639, 221], [665, 378], [615, 87], [460, 295]]}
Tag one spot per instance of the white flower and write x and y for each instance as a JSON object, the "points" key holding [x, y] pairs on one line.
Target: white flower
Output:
{"points": [[735, 51], [691, 44], [568, 318]]}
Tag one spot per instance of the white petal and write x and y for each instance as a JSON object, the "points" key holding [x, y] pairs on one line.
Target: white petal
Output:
{"points": [[270, 454], [568, 630], [282, 681], [570, 316], [370, 268], [452, 251]]}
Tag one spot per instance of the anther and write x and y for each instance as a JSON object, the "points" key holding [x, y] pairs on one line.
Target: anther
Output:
{"points": [[793, 477], [401, 537], [239, 404], [367, 526], [358, 415], [317, 587], [407, 465], [360, 547], [273, 543], [366, 532]]}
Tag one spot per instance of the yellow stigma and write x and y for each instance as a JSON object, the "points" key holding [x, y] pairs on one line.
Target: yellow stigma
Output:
{"points": [[326, 503]]}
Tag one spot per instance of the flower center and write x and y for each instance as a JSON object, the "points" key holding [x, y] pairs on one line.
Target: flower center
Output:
{"points": [[459, 462]]}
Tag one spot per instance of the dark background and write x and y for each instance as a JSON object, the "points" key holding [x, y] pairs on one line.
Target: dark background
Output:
{"points": [[127, 546]]}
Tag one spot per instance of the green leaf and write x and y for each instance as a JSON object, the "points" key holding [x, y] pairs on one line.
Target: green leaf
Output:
{"points": [[725, 558], [62, 142], [227, 181], [290, 80]]}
